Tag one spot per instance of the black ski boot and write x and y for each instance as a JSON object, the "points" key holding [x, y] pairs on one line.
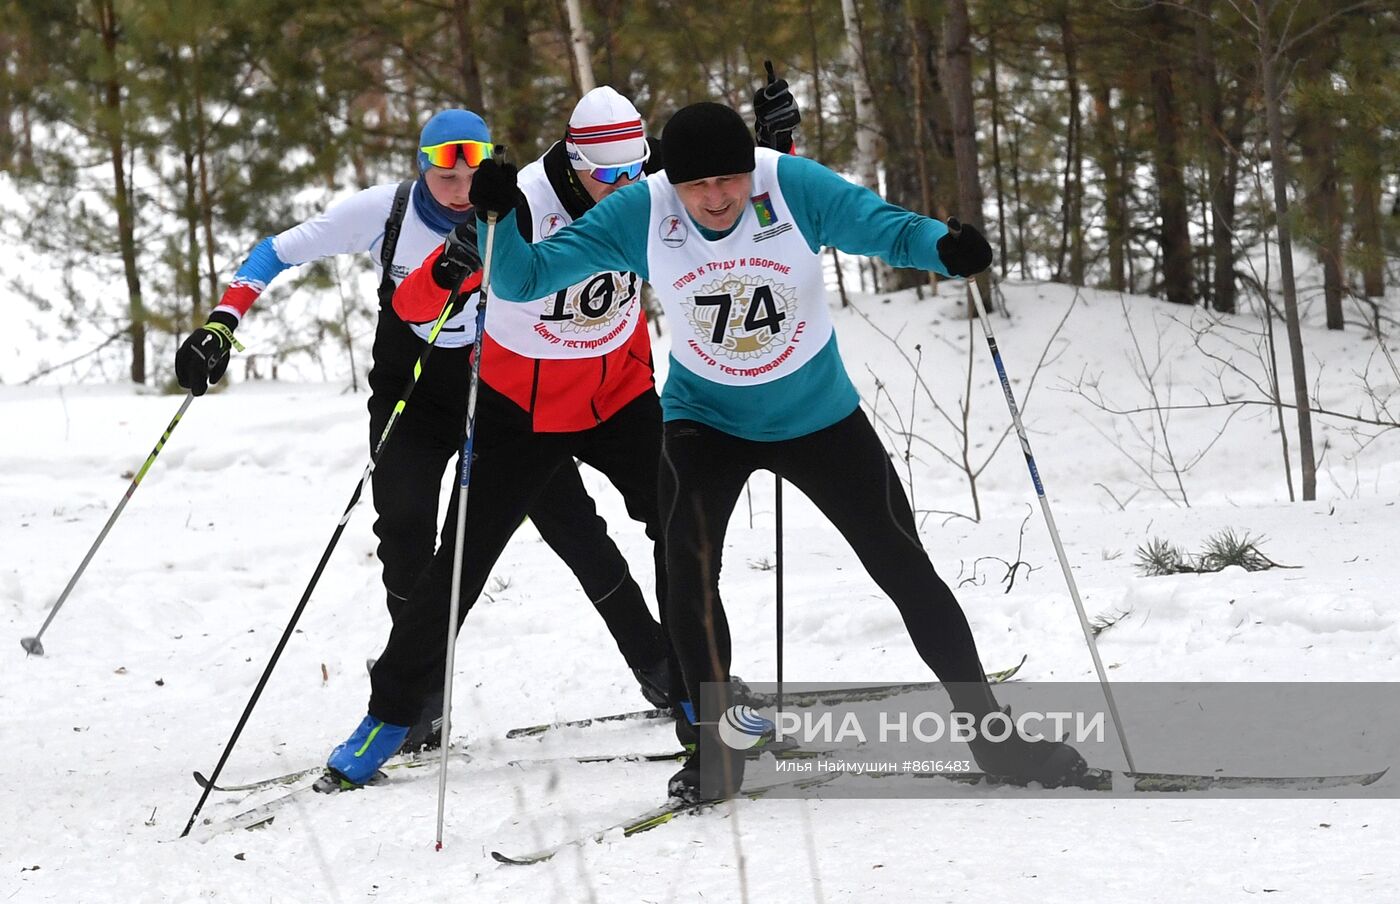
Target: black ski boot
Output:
{"points": [[743, 693], [655, 682], [685, 784], [426, 733], [695, 783], [714, 770], [1054, 764]]}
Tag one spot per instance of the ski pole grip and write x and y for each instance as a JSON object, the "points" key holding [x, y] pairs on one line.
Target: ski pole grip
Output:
{"points": [[954, 227], [498, 153]]}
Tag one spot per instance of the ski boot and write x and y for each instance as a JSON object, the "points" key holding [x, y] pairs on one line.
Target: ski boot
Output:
{"points": [[715, 769], [1054, 764], [713, 772], [426, 734], [655, 682], [358, 758]]}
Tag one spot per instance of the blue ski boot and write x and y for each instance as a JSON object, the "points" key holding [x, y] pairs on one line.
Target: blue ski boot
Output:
{"points": [[359, 757]]}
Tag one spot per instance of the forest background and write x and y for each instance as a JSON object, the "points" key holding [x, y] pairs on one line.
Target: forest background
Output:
{"points": [[1145, 147]]}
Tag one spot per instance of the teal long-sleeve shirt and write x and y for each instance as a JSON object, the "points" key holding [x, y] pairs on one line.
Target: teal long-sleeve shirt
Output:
{"points": [[827, 210]]}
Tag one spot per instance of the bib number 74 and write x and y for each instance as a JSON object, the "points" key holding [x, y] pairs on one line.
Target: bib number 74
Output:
{"points": [[762, 313]]}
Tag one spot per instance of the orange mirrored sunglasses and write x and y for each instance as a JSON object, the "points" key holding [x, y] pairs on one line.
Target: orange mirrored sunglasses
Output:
{"points": [[445, 155]]}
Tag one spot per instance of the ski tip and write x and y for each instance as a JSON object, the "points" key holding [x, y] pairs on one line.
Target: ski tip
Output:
{"points": [[513, 861], [1007, 673], [200, 780]]}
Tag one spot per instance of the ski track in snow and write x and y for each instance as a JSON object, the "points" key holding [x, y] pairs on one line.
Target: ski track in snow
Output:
{"points": [[158, 648]]}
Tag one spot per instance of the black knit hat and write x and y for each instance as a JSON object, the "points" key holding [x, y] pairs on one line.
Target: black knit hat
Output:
{"points": [[704, 140]]}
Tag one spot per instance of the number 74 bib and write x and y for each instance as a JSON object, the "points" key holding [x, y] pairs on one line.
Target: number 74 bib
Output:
{"points": [[747, 308]]}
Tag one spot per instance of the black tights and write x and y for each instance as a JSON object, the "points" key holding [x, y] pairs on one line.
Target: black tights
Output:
{"points": [[847, 473], [513, 469]]}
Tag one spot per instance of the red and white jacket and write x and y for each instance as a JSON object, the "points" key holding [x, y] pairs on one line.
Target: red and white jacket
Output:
{"points": [[572, 360]]}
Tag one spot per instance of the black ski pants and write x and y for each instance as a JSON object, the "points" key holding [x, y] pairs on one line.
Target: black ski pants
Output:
{"points": [[407, 484], [515, 472], [847, 473]]}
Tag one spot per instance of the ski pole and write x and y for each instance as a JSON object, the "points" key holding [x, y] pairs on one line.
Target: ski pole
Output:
{"points": [[954, 228], [778, 573], [325, 557], [33, 645], [473, 381]]}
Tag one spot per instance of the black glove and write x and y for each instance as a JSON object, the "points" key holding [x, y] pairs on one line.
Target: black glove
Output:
{"points": [[775, 112], [655, 161], [966, 252], [203, 357], [459, 257], [494, 188]]}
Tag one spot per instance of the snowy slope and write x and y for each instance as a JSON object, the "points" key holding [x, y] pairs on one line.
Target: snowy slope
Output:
{"points": [[157, 650]]}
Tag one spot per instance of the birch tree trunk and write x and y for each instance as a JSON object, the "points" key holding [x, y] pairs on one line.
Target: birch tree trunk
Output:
{"points": [[1105, 151], [206, 196], [865, 106], [1278, 160], [583, 55], [865, 103], [1072, 238]]}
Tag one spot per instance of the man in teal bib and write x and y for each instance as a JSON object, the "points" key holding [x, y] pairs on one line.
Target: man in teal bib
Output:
{"points": [[730, 240]]}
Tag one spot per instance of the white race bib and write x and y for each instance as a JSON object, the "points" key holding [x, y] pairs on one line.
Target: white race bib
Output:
{"points": [[585, 320], [748, 308]]}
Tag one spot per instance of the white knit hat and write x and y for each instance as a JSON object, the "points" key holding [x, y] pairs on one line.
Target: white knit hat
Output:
{"points": [[605, 130]]}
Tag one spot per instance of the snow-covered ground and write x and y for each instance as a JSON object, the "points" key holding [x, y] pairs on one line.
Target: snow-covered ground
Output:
{"points": [[158, 648]]}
